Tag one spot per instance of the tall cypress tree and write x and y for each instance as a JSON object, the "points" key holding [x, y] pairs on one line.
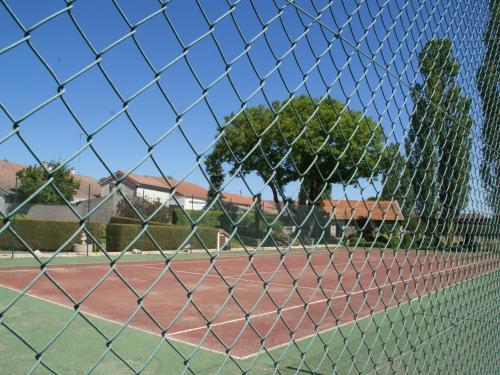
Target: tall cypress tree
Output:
{"points": [[396, 180], [488, 84], [438, 143]]}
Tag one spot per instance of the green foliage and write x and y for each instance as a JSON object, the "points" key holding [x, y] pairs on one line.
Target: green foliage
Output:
{"points": [[146, 208], [438, 145], [211, 218], [131, 220], [488, 85], [408, 241], [227, 220], [258, 141], [120, 236], [33, 177], [364, 242], [395, 242], [251, 231], [45, 234], [382, 237], [396, 181]]}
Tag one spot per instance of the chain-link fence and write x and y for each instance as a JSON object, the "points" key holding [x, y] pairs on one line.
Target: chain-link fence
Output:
{"points": [[281, 186]]}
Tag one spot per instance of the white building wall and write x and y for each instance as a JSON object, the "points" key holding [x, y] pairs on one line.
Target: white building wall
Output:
{"points": [[188, 203], [105, 190], [195, 204], [126, 189], [153, 195], [3, 206], [156, 195]]}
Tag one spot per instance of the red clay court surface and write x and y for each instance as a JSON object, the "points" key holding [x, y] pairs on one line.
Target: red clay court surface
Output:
{"points": [[182, 298]]}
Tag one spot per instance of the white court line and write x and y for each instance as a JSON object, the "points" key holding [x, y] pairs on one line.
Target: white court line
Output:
{"points": [[82, 267], [244, 279], [223, 352], [217, 276], [318, 332], [251, 269], [315, 302], [223, 258], [220, 258], [100, 317]]}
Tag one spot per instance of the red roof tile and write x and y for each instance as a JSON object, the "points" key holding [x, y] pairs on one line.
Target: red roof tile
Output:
{"points": [[83, 190], [8, 172], [375, 210], [242, 201], [342, 209], [237, 199], [186, 189]]}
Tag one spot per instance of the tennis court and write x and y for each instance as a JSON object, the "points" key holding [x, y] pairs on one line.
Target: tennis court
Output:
{"points": [[219, 304]]}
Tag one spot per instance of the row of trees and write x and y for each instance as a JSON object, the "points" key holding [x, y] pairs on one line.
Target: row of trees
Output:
{"points": [[319, 142]]}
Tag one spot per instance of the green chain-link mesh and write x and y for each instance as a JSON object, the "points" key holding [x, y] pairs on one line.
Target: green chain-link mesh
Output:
{"points": [[366, 136]]}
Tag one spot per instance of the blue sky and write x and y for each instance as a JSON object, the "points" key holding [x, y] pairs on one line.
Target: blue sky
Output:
{"points": [[53, 133]]}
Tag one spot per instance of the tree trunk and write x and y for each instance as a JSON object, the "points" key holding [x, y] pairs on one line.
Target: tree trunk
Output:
{"points": [[276, 197]]}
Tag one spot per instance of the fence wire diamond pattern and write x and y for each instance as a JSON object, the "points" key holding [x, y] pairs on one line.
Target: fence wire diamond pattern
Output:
{"points": [[336, 201]]}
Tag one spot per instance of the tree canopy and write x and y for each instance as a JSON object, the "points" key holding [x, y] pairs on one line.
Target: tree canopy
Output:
{"points": [[33, 177], [488, 84], [314, 142], [396, 180], [438, 143]]}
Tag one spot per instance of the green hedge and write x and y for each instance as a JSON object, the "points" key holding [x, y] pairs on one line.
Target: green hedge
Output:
{"points": [[130, 220], [45, 234], [119, 236]]}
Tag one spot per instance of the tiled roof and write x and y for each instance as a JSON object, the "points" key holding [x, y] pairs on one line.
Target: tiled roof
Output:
{"points": [[8, 172], [237, 199], [269, 207], [83, 190], [242, 201], [375, 210], [342, 209], [186, 189]]}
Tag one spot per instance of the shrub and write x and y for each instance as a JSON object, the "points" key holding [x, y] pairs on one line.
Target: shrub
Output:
{"points": [[382, 238], [119, 236], [354, 240], [211, 218], [408, 241], [146, 208], [394, 242], [270, 241], [45, 234], [130, 220]]}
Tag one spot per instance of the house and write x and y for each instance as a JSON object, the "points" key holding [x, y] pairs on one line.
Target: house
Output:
{"points": [[348, 216], [154, 188], [188, 195], [3, 199], [8, 183], [89, 189], [8, 172], [243, 202]]}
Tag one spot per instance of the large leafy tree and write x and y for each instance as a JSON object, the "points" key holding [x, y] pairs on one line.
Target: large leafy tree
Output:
{"points": [[488, 84], [438, 144], [314, 142], [33, 177]]}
